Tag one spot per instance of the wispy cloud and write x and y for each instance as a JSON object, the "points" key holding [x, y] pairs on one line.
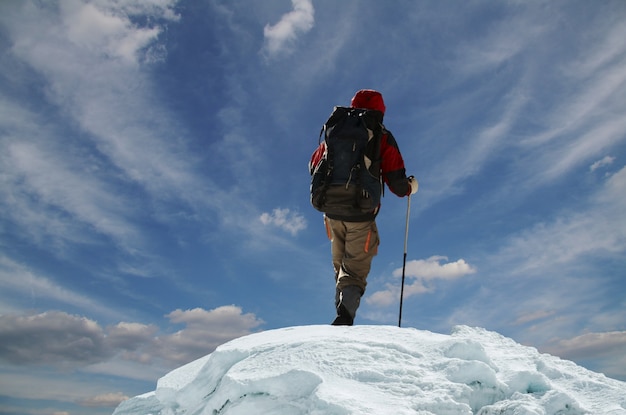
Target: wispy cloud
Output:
{"points": [[280, 37], [586, 130], [590, 344], [106, 30], [43, 384], [498, 44], [607, 51], [18, 281], [53, 183], [605, 161], [106, 400], [549, 131], [549, 262], [461, 158], [93, 83], [533, 316], [132, 157], [598, 230], [583, 121]]}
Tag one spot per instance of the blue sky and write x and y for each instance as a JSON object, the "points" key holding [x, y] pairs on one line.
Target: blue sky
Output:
{"points": [[154, 184]]}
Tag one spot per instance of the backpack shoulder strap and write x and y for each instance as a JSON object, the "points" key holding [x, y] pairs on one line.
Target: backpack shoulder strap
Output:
{"points": [[335, 117]]}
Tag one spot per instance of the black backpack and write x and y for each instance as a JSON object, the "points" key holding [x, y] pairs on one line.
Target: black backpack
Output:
{"points": [[347, 181]]}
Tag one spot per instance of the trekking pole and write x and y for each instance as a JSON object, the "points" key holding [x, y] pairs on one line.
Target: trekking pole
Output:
{"points": [[406, 239]]}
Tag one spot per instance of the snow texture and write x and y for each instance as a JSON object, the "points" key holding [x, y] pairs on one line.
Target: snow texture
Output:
{"points": [[379, 370]]}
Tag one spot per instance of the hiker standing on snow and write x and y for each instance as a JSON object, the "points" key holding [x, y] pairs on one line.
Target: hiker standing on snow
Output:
{"points": [[348, 169]]}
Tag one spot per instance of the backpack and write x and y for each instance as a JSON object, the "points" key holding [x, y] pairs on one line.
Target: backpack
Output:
{"points": [[347, 181]]}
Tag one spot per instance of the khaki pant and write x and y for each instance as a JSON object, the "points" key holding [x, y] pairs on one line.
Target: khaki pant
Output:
{"points": [[353, 246]]}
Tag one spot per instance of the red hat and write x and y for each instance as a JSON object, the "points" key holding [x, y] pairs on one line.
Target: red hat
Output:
{"points": [[370, 99]]}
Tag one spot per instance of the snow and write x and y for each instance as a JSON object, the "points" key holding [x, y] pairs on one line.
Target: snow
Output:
{"points": [[379, 370]]}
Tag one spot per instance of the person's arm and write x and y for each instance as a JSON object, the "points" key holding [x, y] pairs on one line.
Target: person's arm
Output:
{"points": [[392, 166], [316, 157]]}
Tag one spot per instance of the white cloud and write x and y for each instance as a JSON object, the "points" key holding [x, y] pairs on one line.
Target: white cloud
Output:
{"points": [[391, 294], [279, 37], [111, 148], [606, 161], [204, 331], [69, 341], [100, 27], [87, 79], [284, 219], [129, 336], [55, 338], [432, 268], [418, 273]]}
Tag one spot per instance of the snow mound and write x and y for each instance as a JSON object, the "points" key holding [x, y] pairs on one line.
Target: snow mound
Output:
{"points": [[379, 370]]}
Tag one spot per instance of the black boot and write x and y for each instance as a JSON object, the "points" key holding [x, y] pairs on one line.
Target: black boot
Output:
{"points": [[348, 301], [343, 317]]}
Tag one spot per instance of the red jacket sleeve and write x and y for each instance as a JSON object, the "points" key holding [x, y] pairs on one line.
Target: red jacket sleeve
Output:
{"points": [[392, 166], [316, 157]]}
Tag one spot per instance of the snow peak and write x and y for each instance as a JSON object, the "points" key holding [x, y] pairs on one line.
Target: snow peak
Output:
{"points": [[346, 180]]}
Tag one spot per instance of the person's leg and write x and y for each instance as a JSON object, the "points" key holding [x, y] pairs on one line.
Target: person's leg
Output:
{"points": [[354, 245], [359, 248], [337, 232]]}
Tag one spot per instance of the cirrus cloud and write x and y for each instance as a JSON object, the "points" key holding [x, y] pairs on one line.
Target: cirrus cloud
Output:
{"points": [[106, 400]]}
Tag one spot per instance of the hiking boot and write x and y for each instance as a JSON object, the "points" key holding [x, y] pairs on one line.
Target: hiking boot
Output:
{"points": [[343, 317], [349, 300]]}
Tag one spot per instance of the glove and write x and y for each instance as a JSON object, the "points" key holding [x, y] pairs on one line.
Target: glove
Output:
{"points": [[414, 185]]}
